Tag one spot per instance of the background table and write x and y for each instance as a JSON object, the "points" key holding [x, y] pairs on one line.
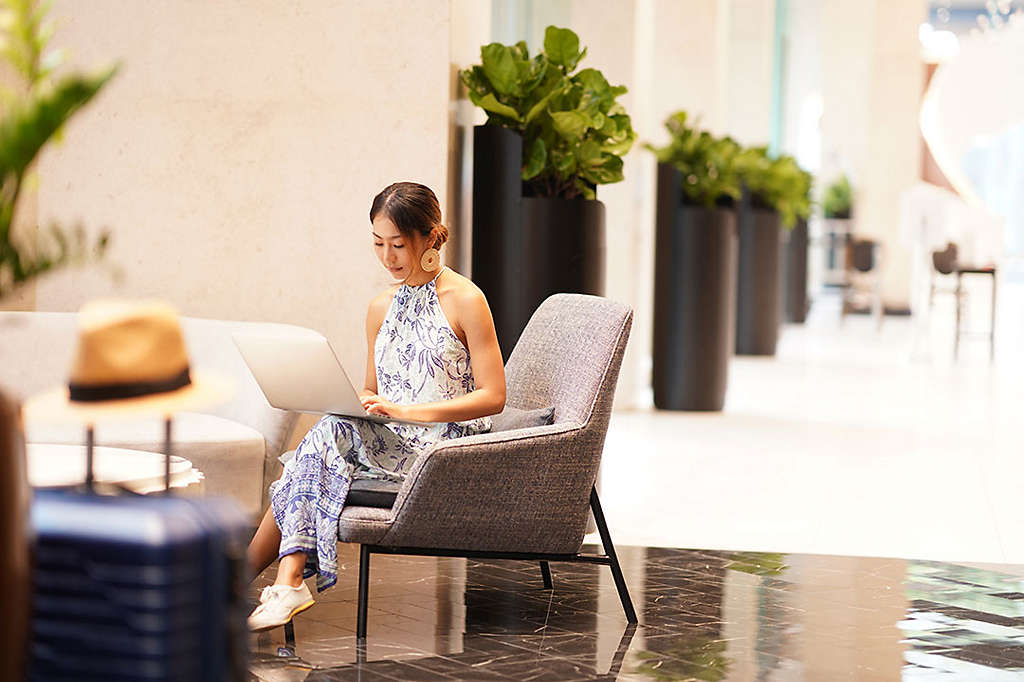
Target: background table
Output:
{"points": [[60, 466]]}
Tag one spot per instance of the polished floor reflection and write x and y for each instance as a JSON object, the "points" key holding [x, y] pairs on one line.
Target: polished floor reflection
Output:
{"points": [[704, 615]]}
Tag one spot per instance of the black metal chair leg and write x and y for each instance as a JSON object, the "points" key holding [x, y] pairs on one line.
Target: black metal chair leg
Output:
{"points": [[364, 591], [609, 549], [545, 572], [289, 636]]}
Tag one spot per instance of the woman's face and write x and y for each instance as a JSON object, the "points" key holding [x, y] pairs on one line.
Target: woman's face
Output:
{"points": [[400, 255]]}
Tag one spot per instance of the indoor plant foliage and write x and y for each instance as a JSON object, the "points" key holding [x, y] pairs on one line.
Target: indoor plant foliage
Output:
{"points": [[775, 184], [574, 131], [838, 199], [706, 163], [30, 116]]}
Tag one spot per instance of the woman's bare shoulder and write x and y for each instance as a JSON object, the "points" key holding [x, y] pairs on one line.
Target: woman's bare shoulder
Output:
{"points": [[378, 308], [460, 288]]}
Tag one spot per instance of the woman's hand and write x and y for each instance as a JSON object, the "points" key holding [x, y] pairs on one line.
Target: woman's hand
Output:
{"points": [[374, 404]]}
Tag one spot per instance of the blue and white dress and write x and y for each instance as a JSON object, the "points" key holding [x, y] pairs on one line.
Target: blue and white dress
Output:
{"points": [[419, 359]]}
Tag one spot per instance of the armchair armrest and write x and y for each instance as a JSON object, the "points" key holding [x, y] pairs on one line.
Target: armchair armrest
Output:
{"points": [[519, 490]]}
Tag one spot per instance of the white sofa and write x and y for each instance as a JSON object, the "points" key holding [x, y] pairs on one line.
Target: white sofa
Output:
{"points": [[235, 444]]}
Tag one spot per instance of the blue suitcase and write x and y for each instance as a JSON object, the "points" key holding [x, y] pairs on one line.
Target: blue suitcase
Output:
{"points": [[137, 588]]}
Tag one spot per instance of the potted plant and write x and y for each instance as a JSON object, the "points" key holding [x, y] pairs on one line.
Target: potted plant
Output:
{"points": [[694, 267], [837, 209], [553, 134], [30, 115], [773, 200], [797, 303]]}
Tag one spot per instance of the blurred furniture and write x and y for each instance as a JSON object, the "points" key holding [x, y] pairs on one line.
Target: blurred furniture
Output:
{"points": [[863, 263], [946, 263], [835, 239], [63, 466], [525, 493], [795, 286], [235, 444], [15, 574]]}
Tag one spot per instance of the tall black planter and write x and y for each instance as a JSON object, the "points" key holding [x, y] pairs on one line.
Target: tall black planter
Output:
{"points": [[562, 249], [796, 274], [758, 309], [497, 237], [694, 299], [527, 248]]}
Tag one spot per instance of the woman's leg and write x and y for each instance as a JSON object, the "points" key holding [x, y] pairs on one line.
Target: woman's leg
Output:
{"points": [[263, 550], [264, 546]]}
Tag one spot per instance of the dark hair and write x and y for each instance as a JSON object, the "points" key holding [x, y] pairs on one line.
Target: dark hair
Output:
{"points": [[412, 207]]}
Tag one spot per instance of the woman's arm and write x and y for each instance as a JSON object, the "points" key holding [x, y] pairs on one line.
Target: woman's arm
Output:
{"points": [[474, 316], [374, 319]]}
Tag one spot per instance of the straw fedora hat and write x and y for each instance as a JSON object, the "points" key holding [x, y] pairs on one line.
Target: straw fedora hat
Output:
{"points": [[131, 362]]}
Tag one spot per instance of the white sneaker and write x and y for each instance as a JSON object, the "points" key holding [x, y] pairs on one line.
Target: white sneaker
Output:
{"points": [[278, 604]]}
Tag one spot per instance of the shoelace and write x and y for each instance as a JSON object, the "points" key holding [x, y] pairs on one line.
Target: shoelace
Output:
{"points": [[269, 592]]}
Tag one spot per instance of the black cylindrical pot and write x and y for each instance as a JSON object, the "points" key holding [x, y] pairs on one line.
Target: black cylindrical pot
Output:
{"points": [[796, 274], [497, 212], [694, 300], [562, 250], [758, 309]]}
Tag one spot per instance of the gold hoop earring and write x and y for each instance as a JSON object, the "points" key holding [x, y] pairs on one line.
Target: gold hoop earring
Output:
{"points": [[430, 260]]}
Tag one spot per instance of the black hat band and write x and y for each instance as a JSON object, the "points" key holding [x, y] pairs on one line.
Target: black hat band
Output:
{"points": [[136, 389]]}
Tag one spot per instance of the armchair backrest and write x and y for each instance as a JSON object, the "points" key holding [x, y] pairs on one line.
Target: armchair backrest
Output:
{"points": [[526, 490], [569, 356]]}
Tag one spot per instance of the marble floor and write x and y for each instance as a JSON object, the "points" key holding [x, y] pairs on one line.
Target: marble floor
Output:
{"points": [[857, 502], [704, 615], [852, 440]]}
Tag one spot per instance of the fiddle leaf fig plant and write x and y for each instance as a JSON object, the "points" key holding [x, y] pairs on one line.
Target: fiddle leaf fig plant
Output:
{"points": [[778, 184], [574, 131], [30, 116], [707, 163]]}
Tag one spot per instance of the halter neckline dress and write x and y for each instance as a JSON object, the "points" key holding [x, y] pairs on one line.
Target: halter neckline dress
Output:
{"points": [[419, 359]]}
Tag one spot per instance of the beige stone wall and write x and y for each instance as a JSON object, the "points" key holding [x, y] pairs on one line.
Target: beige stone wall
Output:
{"points": [[872, 77], [235, 156]]}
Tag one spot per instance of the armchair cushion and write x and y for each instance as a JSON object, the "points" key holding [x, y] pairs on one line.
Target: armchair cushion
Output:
{"points": [[514, 418], [372, 493]]}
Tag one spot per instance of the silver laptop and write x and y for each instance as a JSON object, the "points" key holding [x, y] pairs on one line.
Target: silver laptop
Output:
{"points": [[297, 370]]}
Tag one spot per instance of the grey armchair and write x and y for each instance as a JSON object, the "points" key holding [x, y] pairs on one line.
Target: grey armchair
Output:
{"points": [[521, 494]]}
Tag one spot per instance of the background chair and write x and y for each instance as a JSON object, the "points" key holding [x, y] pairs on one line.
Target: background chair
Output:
{"points": [[946, 262], [520, 494], [862, 263]]}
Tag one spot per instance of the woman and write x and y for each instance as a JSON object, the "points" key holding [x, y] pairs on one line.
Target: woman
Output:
{"points": [[432, 356]]}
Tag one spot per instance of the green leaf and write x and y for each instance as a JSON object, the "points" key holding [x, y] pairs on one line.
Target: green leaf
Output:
{"points": [[607, 172], [475, 80], [590, 154], [564, 162], [25, 129], [585, 190], [536, 160], [499, 67], [540, 106], [490, 103], [562, 47], [593, 79], [570, 124]]}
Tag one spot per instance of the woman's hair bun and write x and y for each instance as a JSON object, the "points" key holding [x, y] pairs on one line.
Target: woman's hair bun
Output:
{"points": [[442, 235]]}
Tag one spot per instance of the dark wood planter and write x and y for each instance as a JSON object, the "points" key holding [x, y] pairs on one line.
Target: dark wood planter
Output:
{"points": [[527, 248], [758, 302], [695, 264], [797, 303], [15, 574]]}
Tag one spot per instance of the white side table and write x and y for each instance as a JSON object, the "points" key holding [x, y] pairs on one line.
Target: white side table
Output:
{"points": [[60, 466]]}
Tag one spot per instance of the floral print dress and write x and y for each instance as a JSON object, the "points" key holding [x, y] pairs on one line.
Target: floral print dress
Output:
{"points": [[419, 359]]}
